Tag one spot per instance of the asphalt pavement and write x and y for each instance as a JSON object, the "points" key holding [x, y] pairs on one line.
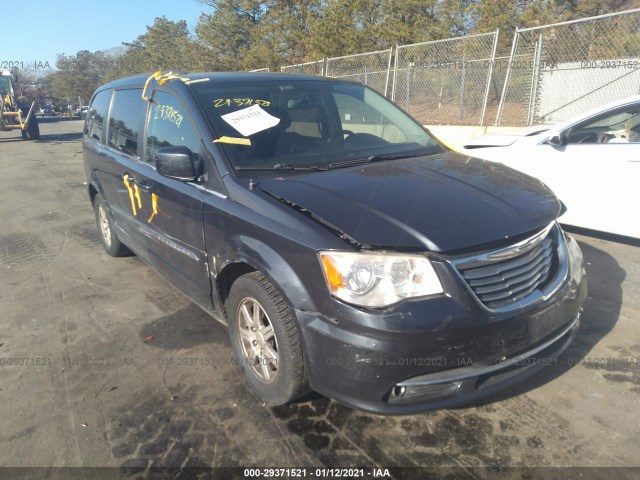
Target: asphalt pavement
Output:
{"points": [[104, 364]]}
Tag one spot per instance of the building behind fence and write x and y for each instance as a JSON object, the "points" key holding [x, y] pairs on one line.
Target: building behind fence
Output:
{"points": [[551, 74]]}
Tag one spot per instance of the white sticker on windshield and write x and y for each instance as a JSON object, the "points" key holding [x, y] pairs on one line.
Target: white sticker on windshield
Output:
{"points": [[250, 120]]}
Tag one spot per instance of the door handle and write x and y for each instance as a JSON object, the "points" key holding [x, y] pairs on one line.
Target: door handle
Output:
{"points": [[142, 185]]}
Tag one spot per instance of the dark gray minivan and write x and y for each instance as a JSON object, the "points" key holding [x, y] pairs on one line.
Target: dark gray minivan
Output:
{"points": [[347, 250]]}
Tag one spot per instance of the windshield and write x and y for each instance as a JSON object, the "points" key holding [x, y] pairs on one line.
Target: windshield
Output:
{"points": [[308, 124]]}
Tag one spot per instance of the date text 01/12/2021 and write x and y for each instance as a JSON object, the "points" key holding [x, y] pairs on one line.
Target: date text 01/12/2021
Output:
{"points": [[316, 472]]}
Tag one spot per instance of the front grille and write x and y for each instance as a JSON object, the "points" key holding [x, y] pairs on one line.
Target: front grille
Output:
{"points": [[505, 277]]}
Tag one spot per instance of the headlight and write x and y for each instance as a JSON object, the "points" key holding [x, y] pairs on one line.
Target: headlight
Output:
{"points": [[378, 279]]}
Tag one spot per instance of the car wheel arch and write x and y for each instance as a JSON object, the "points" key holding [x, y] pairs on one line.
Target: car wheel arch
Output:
{"points": [[255, 255], [94, 187], [93, 191], [228, 274]]}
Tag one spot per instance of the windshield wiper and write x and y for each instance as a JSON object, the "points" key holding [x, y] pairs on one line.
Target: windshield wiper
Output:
{"points": [[371, 158], [279, 166]]}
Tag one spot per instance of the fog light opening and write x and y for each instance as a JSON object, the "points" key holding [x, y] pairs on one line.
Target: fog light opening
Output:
{"points": [[398, 391], [415, 393]]}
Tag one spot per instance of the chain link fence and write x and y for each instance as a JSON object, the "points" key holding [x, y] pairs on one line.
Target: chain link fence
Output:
{"points": [[445, 81], [547, 74], [372, 69], [558, 71], [311, 68]]}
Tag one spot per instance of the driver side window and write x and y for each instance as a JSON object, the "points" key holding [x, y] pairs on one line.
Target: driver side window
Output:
{"points": [[619, 126], [169, 126]]}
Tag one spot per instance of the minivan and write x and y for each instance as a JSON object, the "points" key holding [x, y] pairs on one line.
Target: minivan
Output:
{"points": [[346, 249]]}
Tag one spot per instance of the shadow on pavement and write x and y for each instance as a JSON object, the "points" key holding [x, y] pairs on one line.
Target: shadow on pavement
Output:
{"points": [[60, 137]]}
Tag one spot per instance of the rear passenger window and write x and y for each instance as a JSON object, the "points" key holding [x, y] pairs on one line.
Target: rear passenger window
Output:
{"points": [[125, 122], [169, 127], [97, 113]]}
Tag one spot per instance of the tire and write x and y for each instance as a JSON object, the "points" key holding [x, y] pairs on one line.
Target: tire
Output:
{"points": [[108, 237], [276, 372], [32, 132]]}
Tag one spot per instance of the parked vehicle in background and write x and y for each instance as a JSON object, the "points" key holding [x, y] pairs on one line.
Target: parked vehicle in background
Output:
{"points": [[81, 112], [592, 163], [346, 249], [47, 109]]}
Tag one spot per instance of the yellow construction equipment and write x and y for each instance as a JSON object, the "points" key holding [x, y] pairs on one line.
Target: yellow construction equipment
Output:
{"points": [[16, 113]]}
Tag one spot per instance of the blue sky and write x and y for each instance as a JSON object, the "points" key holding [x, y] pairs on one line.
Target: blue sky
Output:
{"points": [[36, 30]]}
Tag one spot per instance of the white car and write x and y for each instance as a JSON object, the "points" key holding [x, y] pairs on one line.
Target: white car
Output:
{"points": [[81, 112], [592, 164]]}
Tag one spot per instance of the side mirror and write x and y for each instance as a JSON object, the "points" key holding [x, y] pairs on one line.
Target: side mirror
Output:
{"points": [[176, 162], [558, 140]]}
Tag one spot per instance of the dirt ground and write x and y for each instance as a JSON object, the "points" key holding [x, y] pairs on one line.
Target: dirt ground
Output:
{"points": [[103, 364]]}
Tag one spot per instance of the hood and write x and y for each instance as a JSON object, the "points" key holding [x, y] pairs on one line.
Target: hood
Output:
{"points": [[441, 203]]}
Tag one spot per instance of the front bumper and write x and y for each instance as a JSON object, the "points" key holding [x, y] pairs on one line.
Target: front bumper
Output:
{"points": [[439, 352]]}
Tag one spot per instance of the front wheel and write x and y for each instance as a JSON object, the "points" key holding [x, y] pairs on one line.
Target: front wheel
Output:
{"points": [[265, 340]]}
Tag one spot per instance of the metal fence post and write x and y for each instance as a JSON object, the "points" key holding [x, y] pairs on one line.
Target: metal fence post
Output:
{"points": [[395, 75], [534, 81], [409, 73], [506, 78], [386, 82], [489, 77], [464, 72]]}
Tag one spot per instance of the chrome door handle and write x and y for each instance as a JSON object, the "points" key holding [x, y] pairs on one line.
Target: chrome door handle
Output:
{"points": [[142, 185]]}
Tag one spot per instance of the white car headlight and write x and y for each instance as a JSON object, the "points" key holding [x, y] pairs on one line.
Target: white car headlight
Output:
{"points": [[374, 279]]}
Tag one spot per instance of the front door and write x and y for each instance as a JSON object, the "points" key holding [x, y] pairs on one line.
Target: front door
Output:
{"points": [[173, 214]]}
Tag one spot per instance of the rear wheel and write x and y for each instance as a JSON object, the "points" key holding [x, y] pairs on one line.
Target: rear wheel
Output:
{"points": [[265, 340], [106, 228]]}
